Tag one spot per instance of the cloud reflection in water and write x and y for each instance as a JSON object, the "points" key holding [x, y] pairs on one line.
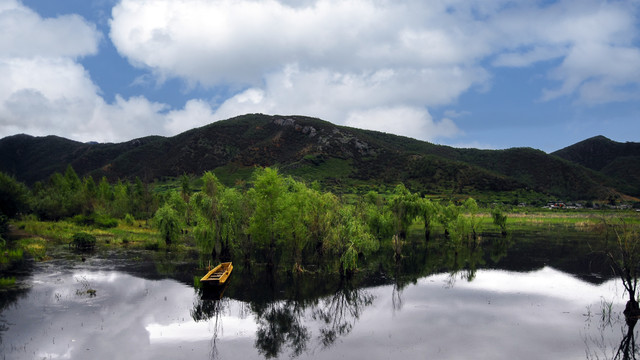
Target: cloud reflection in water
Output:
{"points": [[499, 315]]}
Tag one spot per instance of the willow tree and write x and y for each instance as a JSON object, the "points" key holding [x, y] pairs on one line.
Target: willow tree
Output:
{"points": [[465, 228], [234, 212], [428, 211], [167, 221], [266, 198], [447, 216], [294, 222], [349, 238], [378, 215], [405, 207], [204, 230], [499, 219], [320, 215]]}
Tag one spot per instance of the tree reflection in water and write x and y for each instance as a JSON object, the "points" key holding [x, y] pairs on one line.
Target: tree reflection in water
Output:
{"points": [[291, 313], [339, 313], [599, 348], [628, 349], [281, 325], [285, 324], [210, 305]]}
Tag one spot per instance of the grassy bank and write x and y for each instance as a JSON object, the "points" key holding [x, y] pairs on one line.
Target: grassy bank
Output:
{"points": [[35, 235]]}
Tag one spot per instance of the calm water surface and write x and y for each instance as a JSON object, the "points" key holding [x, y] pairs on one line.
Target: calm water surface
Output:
{"points": [[536, 313]]}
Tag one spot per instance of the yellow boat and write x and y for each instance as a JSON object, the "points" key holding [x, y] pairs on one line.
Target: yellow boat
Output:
{"points": [[219, 274]]}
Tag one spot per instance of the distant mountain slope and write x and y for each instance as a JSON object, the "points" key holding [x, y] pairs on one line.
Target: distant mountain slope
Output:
{"points": [[620, 161], [339, 157]]}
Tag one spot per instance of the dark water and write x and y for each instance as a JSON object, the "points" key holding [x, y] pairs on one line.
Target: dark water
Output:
{"points": [[544, 298]]}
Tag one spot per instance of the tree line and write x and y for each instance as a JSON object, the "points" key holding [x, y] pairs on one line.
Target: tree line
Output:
{"points": [[276, 220]]}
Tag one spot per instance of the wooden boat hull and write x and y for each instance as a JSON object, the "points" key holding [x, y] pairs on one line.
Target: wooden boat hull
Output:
{"points": [[218, 275]]}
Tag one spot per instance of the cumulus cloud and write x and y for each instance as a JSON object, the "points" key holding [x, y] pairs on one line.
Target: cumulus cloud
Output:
{"points": [[44, 90], [195, 113], [334, 59], [413, 120], [56, 96], [23, 33], [368, 63]]}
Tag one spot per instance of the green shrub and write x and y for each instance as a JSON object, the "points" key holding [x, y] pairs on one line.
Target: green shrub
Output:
{"points": [[83, 241], [106, 222], [499, 219], [128, 219]]}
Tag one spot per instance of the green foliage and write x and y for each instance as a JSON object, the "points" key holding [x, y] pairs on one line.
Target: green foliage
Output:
{"points": [[35, 247], [267, 199], [83, 241], [318, 168], [13, 196], [380, 220], [7, 281], [67, 195], [185, 187], [167, 221], [499, 219], [8, 256], [405, 207], [58, 198], [448, 216], [129, 220], [205, 229], [98, 220], [349, 238], [235, 222], [209, 214], [428, 210]]}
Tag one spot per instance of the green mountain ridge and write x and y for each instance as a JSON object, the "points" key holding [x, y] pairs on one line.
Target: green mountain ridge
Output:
{"points": [[338, 157], [620, 161]]}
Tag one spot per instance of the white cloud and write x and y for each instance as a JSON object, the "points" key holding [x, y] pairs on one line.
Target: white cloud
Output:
{"points": [[413, 121], [334, 59], [344, 97], [44, 90], [195, 113], [56, 96], [23, 33], [351, 62]]}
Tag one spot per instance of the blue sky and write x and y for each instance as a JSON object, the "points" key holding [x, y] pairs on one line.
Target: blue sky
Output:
{"points": [[467, 73]]}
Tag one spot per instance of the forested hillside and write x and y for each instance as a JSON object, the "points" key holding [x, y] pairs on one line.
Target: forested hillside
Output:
{"points": [[620, 161], [340, 158]]}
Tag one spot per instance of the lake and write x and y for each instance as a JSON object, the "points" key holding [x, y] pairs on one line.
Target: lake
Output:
{"points": [[544, 296]]}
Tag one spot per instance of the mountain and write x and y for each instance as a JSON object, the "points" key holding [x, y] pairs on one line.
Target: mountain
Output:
{"points": [[620, 161], [340, 158]]}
